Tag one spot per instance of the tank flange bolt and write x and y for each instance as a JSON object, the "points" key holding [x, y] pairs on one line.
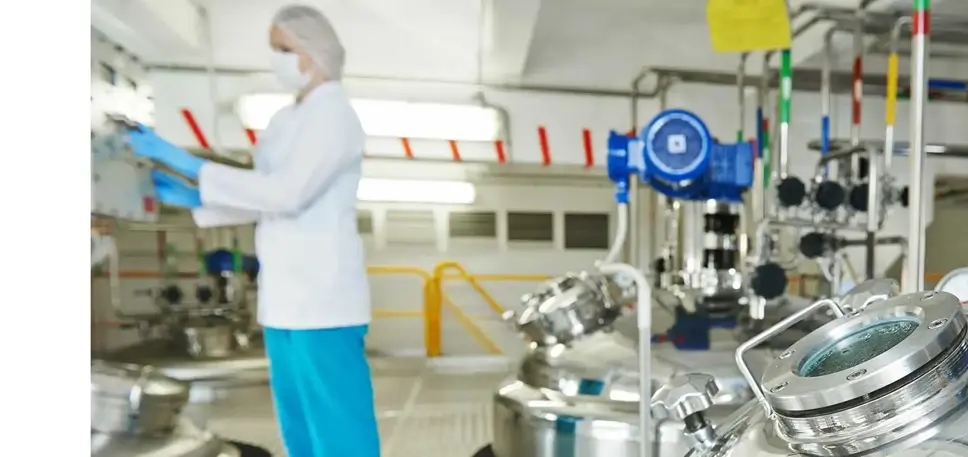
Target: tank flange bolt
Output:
{"points": [[928, 296], [937, 323], [855, 375], [787, 354], [778, 387]]}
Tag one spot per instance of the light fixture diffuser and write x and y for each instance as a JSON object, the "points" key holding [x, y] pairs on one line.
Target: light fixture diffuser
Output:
{"points": [[394, 119]]}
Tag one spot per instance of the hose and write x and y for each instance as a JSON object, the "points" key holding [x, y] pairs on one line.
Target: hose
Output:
{"points": [[621, 232], [643, 311]]}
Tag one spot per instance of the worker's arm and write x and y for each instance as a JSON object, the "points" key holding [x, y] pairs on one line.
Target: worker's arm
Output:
{"points": [[207, 217], [326, 143]]}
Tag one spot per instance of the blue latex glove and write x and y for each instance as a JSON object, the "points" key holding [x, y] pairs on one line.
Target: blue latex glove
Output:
{"points": [[172, 191], [146, 143]]}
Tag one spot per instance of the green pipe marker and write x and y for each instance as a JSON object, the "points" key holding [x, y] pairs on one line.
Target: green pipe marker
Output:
{"points": [[171, 260], [200, 254], [766, 158], [786, 86]]}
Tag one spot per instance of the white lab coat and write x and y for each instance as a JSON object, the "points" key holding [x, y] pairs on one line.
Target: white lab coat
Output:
{"points": [[302, 194]]}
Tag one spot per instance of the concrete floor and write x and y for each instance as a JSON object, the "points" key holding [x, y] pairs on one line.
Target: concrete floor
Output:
{"points": [[441, 409]]}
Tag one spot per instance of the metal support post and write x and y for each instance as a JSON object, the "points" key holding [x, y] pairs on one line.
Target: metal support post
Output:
{"points": [[920, 42]]}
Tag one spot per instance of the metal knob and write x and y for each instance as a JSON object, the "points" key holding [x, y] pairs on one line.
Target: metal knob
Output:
{"points": [[683, 396], [870, 291]]}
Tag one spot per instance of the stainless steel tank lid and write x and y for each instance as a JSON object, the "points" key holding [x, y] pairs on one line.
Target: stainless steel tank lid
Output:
{"points": [[865, 351]]}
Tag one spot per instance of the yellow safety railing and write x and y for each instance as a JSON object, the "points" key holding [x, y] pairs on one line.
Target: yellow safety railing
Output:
{"points": [[395, 270], [452, 270], [429, 301], [435, 299]]}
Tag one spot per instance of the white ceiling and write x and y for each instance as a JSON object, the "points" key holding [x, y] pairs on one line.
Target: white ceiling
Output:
{"points": [[592, 43]]}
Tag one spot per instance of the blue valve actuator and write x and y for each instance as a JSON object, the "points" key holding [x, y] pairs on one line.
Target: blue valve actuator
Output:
{"points": [[222, 261], [618, 165], [676, 155]]}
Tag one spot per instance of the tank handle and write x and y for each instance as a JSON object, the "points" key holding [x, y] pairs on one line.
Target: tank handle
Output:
{"points": [[771, 332]]}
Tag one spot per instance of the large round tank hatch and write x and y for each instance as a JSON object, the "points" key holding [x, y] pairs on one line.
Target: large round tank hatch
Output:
{"points": [[858, 347]]}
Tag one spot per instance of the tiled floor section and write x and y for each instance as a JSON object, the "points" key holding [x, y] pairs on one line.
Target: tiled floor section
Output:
{"points": [[422, 410]]}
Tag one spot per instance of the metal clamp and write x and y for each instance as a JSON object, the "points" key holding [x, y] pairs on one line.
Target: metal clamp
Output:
{"points": [[775, 330]]}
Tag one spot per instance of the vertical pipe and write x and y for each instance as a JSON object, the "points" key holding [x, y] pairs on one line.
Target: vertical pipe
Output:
{"points": [[635, 219], [920, 42], [236, 252], [206, 24], [200, 255], [857, 95], [633, 254], [741, 94], [873, 210], [765, 148], [890, 106], [758, 190], [654, 199], [825, 94], [747, 212], [786, 92], [634, 222]]}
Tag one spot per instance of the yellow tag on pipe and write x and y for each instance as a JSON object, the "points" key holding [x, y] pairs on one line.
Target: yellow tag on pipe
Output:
{"points": [[748, 25], [890, 106]]}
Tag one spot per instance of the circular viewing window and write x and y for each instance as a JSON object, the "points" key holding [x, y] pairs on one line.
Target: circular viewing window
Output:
{"points": [[858, 347]]}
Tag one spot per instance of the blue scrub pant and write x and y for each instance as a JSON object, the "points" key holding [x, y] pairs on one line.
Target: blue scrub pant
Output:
{"points": [[323, 392]]}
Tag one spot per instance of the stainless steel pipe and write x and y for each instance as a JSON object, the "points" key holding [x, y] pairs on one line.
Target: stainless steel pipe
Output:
{"points": [[920, 45], [633, 253]]}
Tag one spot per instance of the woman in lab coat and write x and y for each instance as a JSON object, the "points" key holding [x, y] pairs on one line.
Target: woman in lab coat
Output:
{"points": [[313, 295]]}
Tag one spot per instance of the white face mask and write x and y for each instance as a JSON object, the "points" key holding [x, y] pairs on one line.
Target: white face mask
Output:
{"points": [[286, 67]]}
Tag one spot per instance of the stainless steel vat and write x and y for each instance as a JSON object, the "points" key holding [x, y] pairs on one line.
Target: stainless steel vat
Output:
{"points": [[133, 399], [886, 378], [135, 412], [581, 400]]}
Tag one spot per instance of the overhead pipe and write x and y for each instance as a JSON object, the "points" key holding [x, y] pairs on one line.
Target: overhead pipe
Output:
{"points": [[786, 83], [920, 46]]}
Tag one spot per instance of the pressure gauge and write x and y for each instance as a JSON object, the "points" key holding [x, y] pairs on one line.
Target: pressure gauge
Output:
{"points": [[955, 283]]}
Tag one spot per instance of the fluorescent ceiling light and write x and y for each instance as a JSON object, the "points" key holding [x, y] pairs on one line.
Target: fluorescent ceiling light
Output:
{"points": [[428, 120], [395, 119], [416, 191]]}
